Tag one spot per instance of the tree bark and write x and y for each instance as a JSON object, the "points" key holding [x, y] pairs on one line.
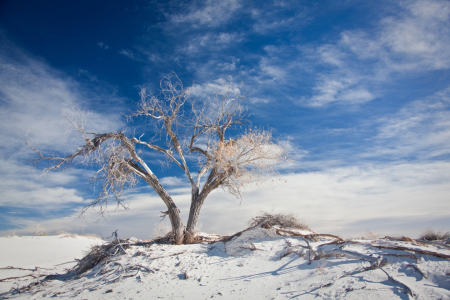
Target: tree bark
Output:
{"points": [[196, 205], [194, 212], [172, 210]]}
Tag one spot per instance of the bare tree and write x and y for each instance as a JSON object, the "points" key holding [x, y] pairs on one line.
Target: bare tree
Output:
{"points": [[184, 128]]}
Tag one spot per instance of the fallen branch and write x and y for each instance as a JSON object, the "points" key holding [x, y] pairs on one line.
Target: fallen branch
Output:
{"points": [[254, 247], [444, 256], [31, 275], [408, 290], [351, 254], [345, 274], [14, 268], [66, 263], [118, 241], [309, 249], [433, 243], [291, 249], [308, 236], [145, 268], [402, 255], [157, 257]]}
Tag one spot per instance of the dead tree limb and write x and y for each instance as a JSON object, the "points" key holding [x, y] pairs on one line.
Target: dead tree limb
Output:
{"points": [[404, 286], [229, 163], [312, 236], [440, 255]]}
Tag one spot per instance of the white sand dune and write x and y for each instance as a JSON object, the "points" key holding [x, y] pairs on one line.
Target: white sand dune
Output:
{"points": [[258, 264]]}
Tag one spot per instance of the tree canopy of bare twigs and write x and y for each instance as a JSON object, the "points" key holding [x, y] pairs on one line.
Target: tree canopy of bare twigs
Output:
{"points": [[184, 127]]}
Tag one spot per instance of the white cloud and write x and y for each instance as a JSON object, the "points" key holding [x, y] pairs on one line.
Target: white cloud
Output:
{"points": [[126, 52], [398, 199], [103, 46], [173, 181], [421, 128], [32, 97], [218, 86], [41, 199], [210, 42], [211, 14], [414, 39], [274, 72], [22, 187], [279, 18], [417, 38], [342, 90]]}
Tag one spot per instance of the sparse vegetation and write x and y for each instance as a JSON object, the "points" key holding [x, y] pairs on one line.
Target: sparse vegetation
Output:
{"points": [[285, 220], [432, 235], [92, 236], [40, 231], [72, 235], [92, 258], [321, 266], [135, 259], [65, 233], [184, 127], [13, 234], [369, 235], [161, 230]]}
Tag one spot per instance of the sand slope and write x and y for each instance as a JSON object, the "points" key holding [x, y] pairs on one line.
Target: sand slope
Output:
{"points": [[258, 264]]}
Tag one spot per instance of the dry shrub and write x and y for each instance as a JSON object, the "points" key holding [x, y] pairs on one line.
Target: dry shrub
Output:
{"points": [[92, 236], [92, 258], [321, 266], [267, 220], [162, 229], [13, 234], [248, 159], [400, 238], [66, 234], [369, 235], [40, 231], [432, 235]]}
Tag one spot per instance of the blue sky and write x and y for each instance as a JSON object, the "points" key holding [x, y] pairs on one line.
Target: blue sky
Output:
{"points": [[360, 88]]}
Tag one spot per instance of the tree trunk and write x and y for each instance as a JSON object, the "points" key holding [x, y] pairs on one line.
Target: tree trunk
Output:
{"points": [[177, 227], [172, 210], [194, 212]]}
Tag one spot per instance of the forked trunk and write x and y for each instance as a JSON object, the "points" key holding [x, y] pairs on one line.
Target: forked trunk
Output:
{"points": [[172, 210], [175, 221], [177, 228], [194, 212]]}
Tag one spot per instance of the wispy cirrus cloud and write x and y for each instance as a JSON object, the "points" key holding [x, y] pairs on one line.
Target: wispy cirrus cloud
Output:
{"points": [[210, 42], [417, 38], [344, 90], [276, 16], [205, 13], [32, 98], [413, 39], [128, 53], [421, 129], [356, 199], [103, 45]]}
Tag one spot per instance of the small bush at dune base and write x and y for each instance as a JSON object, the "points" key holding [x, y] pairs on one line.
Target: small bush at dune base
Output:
{"points": [[268, 220], [432, 235]]}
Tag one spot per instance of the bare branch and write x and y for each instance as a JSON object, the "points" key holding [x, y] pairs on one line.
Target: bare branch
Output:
{"points": [[167, 106], [246, 159], [159, 149], [230, 163]]}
